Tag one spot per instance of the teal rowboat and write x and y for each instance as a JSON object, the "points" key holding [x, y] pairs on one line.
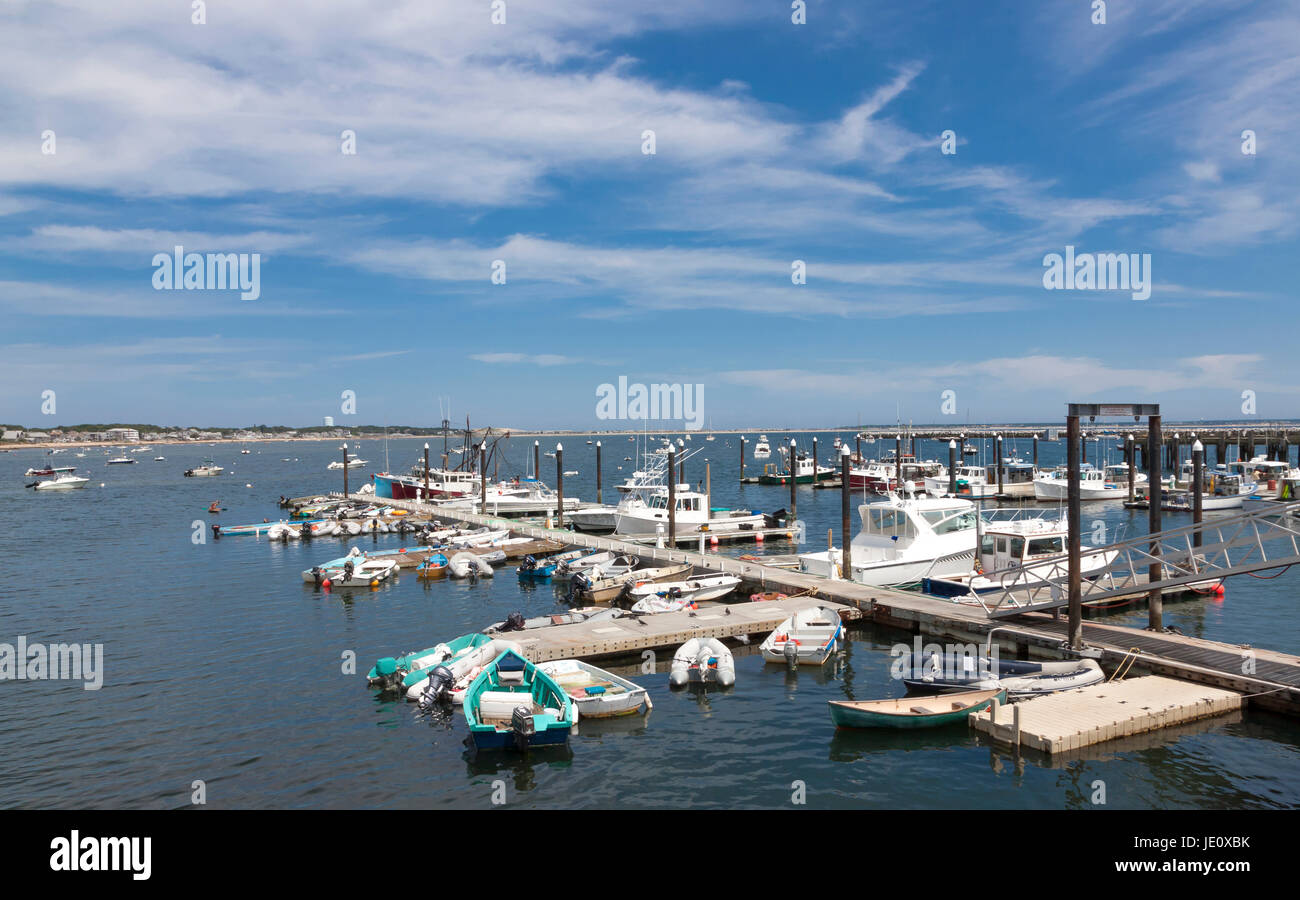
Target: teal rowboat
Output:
{"points": [[513, 704], [912, 712], [404, 671]]}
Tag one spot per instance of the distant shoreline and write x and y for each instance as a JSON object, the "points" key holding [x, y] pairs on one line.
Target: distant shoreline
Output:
{"points": [[456, 438]]}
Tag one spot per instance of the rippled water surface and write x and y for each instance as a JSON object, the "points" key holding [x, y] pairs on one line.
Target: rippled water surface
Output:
{"points": [[222, 666]]}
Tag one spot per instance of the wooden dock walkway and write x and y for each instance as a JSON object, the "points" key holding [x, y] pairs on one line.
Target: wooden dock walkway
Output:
{"points": [[1073, 719], [1269, 679]]}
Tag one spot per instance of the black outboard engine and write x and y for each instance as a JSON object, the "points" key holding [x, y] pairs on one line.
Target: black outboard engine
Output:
{"points": [[514, 622], [348, 570], [216, 532], [673, 593], [316, 575], [521, 723], [774, 520], [439, 688], [305, 531], [529, 564]]}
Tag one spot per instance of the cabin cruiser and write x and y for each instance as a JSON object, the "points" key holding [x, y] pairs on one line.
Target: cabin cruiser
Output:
{"points": [[691, 515], [971, 481], [1023, 551], [881, 476], [904, 540], [762, 449], [1094, 483], [354, 463], [121, 461], [604, 519], [442, 483]]}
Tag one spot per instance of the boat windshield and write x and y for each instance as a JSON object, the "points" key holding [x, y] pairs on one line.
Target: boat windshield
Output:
{"points": [[1046, 545], [947, 521]]}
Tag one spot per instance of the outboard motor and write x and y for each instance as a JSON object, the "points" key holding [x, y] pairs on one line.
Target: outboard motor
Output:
{"points": [[774, 520], [216, 532], [674, 593], [529, 564], [389, 674], [316, 578], [514, 622], [305, 531], [521, 723], [439, 688], [791, 652], [348, 570]]}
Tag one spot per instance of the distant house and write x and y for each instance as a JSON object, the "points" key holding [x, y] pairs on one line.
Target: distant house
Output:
{"points": [[122, 434], [34, 436], [12, 435]]}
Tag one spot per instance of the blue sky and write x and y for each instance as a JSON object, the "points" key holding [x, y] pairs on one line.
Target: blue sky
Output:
{"points": [[523, 142]]}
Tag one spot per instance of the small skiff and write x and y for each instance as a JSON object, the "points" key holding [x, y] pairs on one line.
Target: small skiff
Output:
{"points": [[516, 622], [512, 704], [693, 590], [912, 712], [598, 694], [448, 680], [808, 637], [605, 590]]}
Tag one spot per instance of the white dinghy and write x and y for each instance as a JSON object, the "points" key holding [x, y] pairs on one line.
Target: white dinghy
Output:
{"points": [[703, 661], [465, 565], [449, 679], [652, 597]]}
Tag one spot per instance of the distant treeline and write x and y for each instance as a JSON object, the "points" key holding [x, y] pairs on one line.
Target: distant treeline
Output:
{"points": [[225, 429]]}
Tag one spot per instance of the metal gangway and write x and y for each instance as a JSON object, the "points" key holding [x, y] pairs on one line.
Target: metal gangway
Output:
{"points": [[1247, 542]]}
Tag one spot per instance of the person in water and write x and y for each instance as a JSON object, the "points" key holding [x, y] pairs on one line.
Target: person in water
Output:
{"points": [[215, 506]]}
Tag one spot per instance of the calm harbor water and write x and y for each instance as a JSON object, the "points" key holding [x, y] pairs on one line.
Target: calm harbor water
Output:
{"points": [[222, 666]]}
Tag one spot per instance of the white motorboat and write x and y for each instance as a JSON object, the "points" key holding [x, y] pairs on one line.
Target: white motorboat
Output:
{"points": [[904, 540], [667, 596], [208, 469], [1022, 551], [352, 464], [1020, 678], [1094, 484], [64, 481], [596, 693], [972, 481], [808, 637], [122, 461], [762, 449], [703, 661], [693, 514], [353, 570]]}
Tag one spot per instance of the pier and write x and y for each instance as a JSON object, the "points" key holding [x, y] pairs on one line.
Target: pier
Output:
{"points": [[1267, 678]]}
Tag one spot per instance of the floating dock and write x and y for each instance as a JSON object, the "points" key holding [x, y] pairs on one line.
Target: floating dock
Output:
{"points": [[1070, 720], [1270, 679]]}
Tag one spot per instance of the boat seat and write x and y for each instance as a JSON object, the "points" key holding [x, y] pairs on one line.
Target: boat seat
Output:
{"points": [[957, 706], [921, 710]]}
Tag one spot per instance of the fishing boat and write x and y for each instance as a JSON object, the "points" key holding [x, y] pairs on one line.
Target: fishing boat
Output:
{"points": [[1019, 678], [971, 481], [1094, 483], [883, 476], [913, 712], [1021, 551], [804, 470], [692, 515], [762, 449], [808, 637], [664, 596], [702, 661], [403, 671], [207, 469], [903, 540], [597, 694], [604, 590], [513, 704], [64, 481]]}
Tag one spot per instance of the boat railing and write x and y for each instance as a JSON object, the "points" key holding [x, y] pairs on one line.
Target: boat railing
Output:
{"points": [[1210, 551]]}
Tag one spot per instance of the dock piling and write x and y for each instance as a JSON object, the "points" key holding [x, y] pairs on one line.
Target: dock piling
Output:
{"points": [[1198, 485], [345, 468], [559, 484], [672, 497], [1155, 612], [846, 517], [791, 466], [1074, 509], [598, 491], [952, 467]]}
